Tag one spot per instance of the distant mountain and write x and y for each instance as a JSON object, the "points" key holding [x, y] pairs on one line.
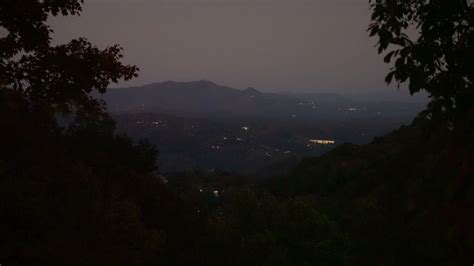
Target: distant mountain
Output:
{"points": [[199, 97], [205, 99]]}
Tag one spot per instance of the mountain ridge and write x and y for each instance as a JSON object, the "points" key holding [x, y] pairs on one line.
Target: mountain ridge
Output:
{"points": [[204, 98]]}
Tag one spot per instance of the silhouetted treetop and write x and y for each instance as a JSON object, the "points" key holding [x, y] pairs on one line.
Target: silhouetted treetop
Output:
{"points": [[25, 21], [60, 77], [430, 45]]}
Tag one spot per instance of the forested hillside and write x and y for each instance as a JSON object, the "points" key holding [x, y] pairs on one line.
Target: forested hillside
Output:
{"points": [[408, 195]]}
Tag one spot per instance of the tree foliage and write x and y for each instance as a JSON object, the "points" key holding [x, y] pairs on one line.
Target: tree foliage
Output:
{"points": [[53, 78], [430, 45], [72, 192]]}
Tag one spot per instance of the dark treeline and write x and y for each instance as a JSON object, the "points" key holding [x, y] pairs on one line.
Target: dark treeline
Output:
{"points": [[76, 193]]}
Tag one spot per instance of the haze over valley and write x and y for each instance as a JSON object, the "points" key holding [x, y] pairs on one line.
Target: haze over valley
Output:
{"points": [[204, 126]]}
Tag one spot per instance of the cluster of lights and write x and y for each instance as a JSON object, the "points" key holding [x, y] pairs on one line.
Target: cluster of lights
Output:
{"points": [[322, 141]]}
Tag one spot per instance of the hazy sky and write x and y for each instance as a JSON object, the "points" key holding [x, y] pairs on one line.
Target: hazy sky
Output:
{"points": [[300, 45]]}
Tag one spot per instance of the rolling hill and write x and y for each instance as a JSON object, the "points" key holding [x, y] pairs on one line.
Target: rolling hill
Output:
{"points": [[205, 99]]}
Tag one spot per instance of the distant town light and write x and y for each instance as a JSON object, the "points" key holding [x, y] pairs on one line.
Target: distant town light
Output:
{"points": [[322, 141]]}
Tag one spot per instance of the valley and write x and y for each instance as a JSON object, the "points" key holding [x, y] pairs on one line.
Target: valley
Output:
{"points": [[201, 126]]}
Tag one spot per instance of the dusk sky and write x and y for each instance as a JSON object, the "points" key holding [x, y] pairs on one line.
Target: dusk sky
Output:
{"points": [[272, 45]]}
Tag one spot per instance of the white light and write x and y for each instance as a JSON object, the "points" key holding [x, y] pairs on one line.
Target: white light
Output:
{"points": [[322, 141]]}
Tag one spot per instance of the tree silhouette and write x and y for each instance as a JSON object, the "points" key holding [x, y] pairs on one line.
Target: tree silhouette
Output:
{"points": [[53, 78], [431, 46], [72, 192]]}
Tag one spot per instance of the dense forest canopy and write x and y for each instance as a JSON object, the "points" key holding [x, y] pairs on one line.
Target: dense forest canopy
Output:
{"points": [[68, 189]]}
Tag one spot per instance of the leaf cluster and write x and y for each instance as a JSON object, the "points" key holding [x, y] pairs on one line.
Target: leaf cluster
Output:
{"points": [[430, 45]]}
